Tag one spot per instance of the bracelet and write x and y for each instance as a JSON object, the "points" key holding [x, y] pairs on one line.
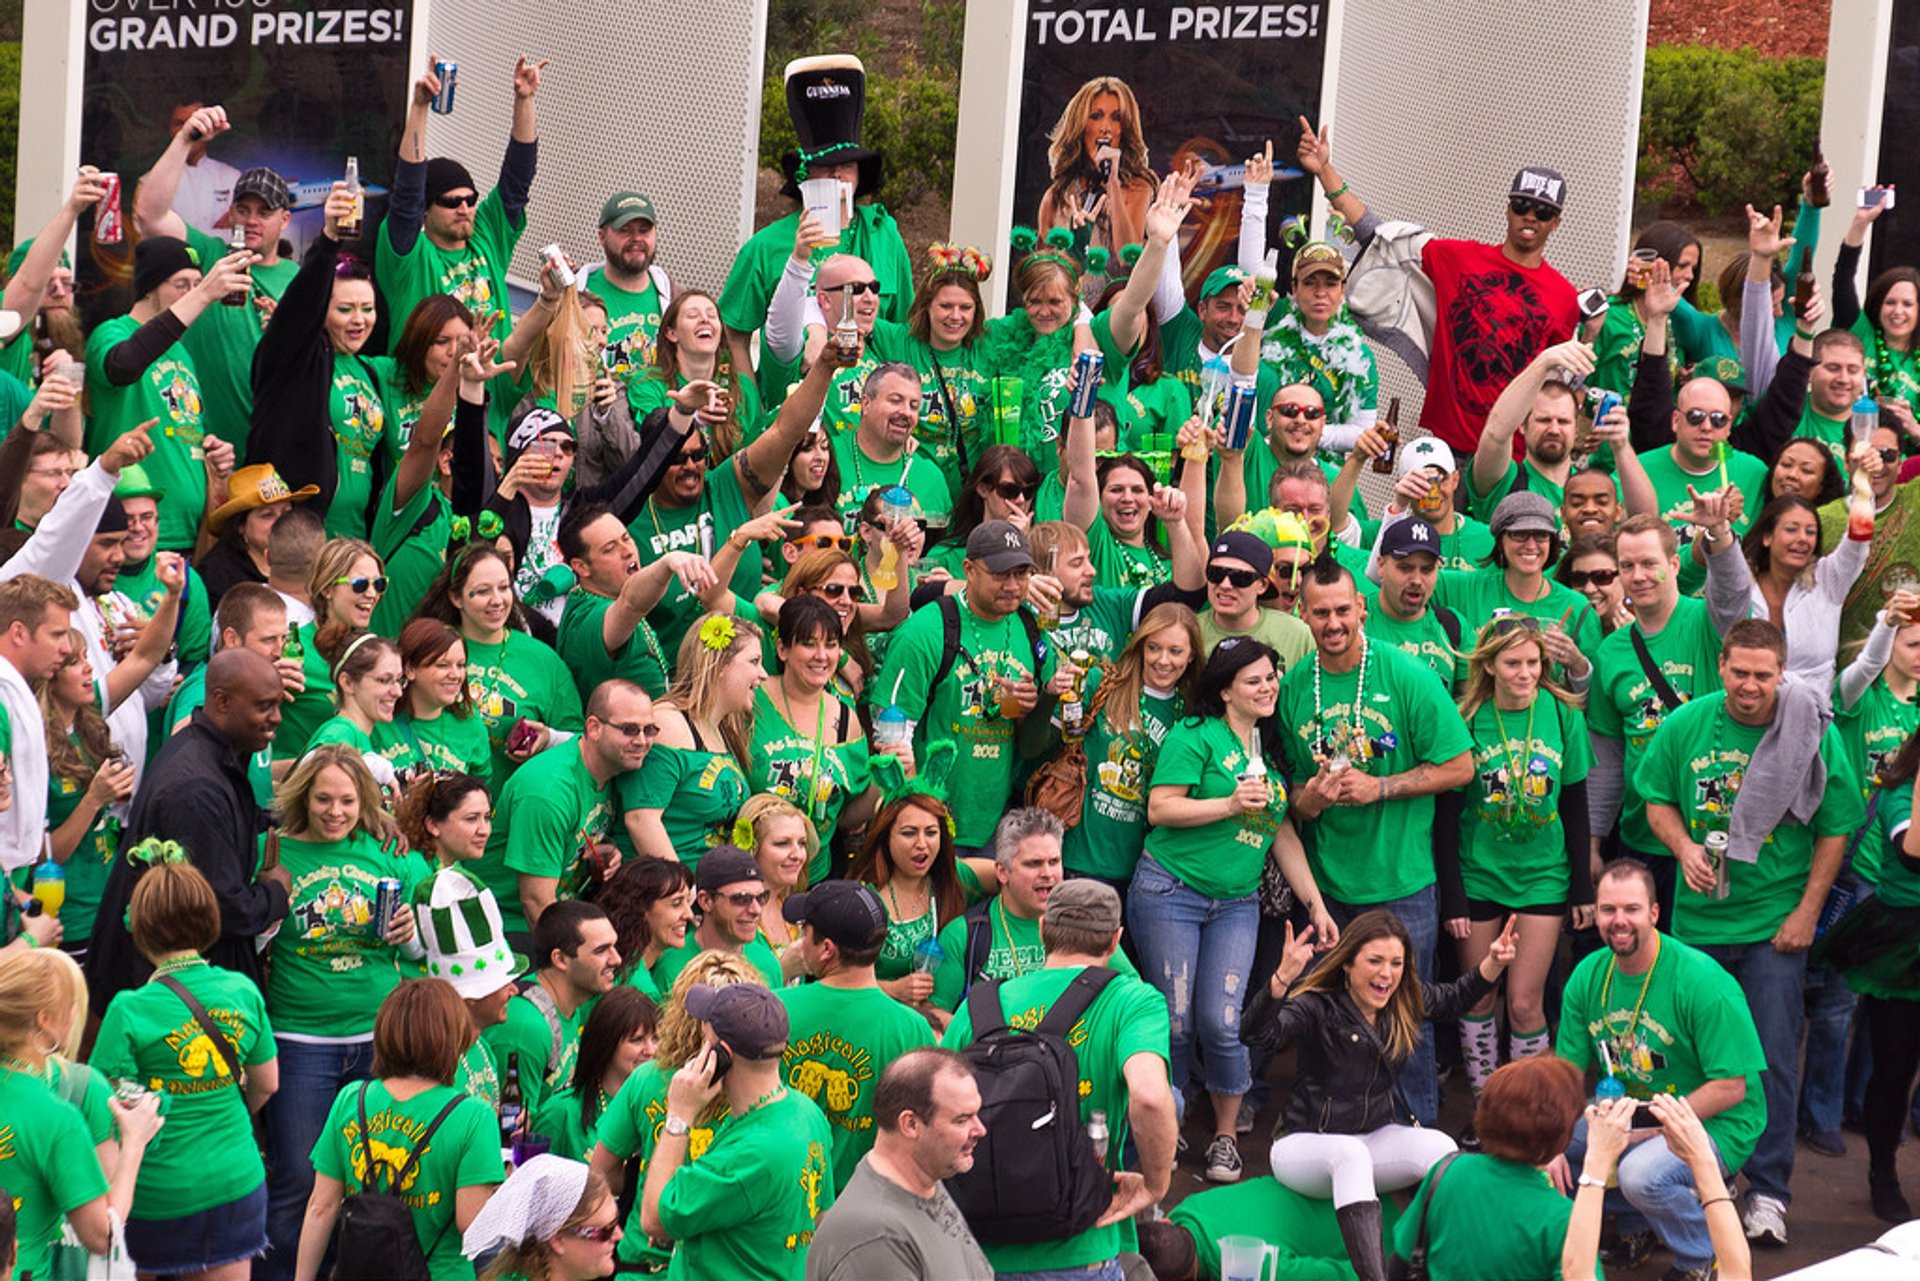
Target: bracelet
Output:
{"points": [[32, 942], [1335, 195], [1383, 791], [1716, 1201]]}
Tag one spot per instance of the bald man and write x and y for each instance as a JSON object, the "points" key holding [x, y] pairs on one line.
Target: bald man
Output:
{"points": [[196, 793]]}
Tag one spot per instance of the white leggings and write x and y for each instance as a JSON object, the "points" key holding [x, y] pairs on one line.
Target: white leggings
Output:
{"points": [[1357, 1167]]}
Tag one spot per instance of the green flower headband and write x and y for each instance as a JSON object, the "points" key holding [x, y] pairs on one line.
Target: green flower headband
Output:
{"points": [[491, 526], [1059, 250], [153, 851], [930, 780]]}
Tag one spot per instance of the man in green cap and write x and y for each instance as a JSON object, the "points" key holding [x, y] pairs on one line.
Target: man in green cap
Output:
{"points": [[1194, 339], [138, 586], [635, 288]]}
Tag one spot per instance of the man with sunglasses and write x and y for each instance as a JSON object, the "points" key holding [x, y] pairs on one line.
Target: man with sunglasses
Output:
{"points": [[440, 235], [1495, 307], [1296, 420], [821, 529], [801, 330], [729, 896], [1701, 458], [1238, 574], [875, 454], [551, 822]]}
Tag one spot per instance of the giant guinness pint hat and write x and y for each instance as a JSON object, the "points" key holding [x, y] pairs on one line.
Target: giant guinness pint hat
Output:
{"points": [[466, 943], [827, 98]]}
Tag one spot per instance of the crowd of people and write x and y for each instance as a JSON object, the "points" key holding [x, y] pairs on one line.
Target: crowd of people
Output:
{"points": [[814, 779]]}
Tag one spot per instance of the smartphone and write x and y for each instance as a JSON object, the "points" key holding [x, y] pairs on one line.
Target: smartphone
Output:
{"points": [[722, 1063], [1875, 197]]}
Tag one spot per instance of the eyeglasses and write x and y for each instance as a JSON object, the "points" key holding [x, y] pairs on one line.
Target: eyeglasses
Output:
{"points": [[1719, 419], [1888, 456], [467, 201], [1312, 413], [601, 1234], [702, 456], [854, 288], [1010, 490], [1579, 578], [361, 586], [743, 898], [1528, 535], [1513, 623], [633, 729], [821, 542], [1241, 578], [833, 591], [1539, 210]]}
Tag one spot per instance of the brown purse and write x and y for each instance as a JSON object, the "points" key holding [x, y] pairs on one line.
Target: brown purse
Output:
{"points": [[1060, 785]]}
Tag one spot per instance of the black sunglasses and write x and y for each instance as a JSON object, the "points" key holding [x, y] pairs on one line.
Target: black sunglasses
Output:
{"points": [[1513, 622], [1579, 578], [854, 288], [1539, 210], [1718, 418], [634, 729], [599, 1235], [1888, 456], [467, 201], [1241, 578], [741, 898], [833, 591], [1010, 490], [704, 454], [1312, 413]]}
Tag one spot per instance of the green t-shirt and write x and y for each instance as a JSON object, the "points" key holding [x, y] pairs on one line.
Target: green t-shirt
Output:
{"points": [[148, 1035], [1113, 816], [1481, 595], [700, 528], [339, 729], [1696, 763], [87, 867], [1125, 566], [1304, 1229], [1151, 414], [697, 793], [650, 391], [583, 646], [542, 820], [1287, 635], [1223, 859], [870, 235], [357, 410], [1513, 848], [1128, 1018], [1483, 504], [330, 971], [839, 1041], [783, 760], [523, 1041], [1260, 464], [1424, 640], [413, 560], [966, 382], [167, 390], [758, 953], [304, 713], [1872, 730], [520, 678], [1692, 1026], [448, 741], [633, 325], [475, 275], [965, 707], [560, 1125], [1370, 853], [193, 635], [479, 1075], [1622, 702], [1016, 950], [1489, 1218], [629, 1129], [1897, 882], [222, 340], [860, 475], [1831, 432], [747, 1208], [47, 1164], [1670, 481], [905, 935], [463, 1153]]}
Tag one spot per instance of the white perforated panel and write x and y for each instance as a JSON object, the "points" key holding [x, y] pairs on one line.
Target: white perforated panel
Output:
{"points": [[1436, 106], [658, 98]]}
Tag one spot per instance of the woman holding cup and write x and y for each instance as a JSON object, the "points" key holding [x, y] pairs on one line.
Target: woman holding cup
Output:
{"points": [[87, 777]]}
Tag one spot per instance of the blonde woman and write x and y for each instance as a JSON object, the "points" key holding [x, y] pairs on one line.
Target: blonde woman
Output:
{"points": [[682, 802], [50, 1163], [628, 1129], [1520, 849], [783, 843], [87, 776], [346, 583], [1097, 159]]}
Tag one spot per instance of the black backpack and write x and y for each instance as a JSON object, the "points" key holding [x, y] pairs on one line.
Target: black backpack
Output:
{"points": [[1036, 1175], [375, 1239], [949, 607]]}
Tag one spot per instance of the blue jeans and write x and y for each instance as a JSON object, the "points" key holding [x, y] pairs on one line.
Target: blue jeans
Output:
{"points": [[1823, 1079], [1106, 1270], [1199, 952], [1775, 984], [1420, 913], [1656, 1190], [311, 1077]]}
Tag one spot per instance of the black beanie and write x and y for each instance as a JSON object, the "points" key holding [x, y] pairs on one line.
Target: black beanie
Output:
{"points": [[156, 259], [444, 175], [113, 518]]}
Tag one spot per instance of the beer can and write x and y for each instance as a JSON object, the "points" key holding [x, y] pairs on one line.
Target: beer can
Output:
{"points": [[448, 73], [109, 225], [386, 901], [1087, 368], [1717, 844], [1243, 407], [556, 258]]}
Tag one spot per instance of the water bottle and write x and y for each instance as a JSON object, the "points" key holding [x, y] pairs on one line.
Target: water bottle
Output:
{"points": [[927, 955], [1097, 1133], [1866, 419], [50, 886], [896, 505], [891, 726]]}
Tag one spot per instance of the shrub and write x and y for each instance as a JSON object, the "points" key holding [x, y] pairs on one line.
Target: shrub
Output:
{"points": [[1735, 126]]}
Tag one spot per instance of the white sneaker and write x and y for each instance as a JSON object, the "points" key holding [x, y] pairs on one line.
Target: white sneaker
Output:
{"points": [[1765, 1220]]}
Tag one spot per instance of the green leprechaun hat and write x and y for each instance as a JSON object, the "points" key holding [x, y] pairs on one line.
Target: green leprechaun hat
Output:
{"points": [[466, 943]]}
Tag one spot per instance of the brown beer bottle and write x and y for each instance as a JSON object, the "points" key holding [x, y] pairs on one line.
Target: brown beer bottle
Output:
{"points": [[1803, 285], [1818, 196], [1391, 430]]}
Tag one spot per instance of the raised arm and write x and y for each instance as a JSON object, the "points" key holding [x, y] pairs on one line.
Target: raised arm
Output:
{"points": [[517, 167], [407, 198], [27, 287], [1079, 473], [761, 464], [1494, 454], [1315, 155], [1846, 298], [1759, 352], [153, 213], [1164, 216]]}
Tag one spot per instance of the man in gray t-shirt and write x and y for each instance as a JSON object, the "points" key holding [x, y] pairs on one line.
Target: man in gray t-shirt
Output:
{"points": [[893, 1219]]}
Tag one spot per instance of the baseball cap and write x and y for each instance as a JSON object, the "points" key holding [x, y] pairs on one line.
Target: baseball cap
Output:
{"points": [[1536, 182], [1221, 279], [1241, 545], [1428, 451], [1523, 512], [623, 207], [848, 913], [725, 865], [999, 546], [1092, 905], [1724, 370], [748, 1017], [1403, 538], [265, 185], [1318, 255]]}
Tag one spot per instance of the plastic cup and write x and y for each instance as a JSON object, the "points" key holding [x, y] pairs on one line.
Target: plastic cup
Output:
{"points": [[821, 197]]}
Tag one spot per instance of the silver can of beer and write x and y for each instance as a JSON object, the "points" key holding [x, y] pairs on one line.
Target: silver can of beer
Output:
{"points": [[1242, 407], [386, 901], [448, 73], [1716, 846]]}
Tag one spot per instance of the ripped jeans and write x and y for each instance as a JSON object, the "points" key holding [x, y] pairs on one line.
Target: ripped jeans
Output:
{"points": [[1198, 951]]}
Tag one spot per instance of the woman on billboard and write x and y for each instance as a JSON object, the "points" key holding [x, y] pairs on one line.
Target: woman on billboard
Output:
{"points": [[1099, 184]]}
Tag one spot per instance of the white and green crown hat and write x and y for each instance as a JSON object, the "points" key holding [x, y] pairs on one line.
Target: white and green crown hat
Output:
{"points": [[466, 943]]}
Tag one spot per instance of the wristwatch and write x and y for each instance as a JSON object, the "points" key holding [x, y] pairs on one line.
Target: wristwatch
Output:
{"points": [[679, 1128], [1586, 1180]]}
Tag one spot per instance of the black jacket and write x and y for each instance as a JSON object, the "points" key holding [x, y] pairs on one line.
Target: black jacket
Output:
{"points": [[1343, 1077], [195, 792]]}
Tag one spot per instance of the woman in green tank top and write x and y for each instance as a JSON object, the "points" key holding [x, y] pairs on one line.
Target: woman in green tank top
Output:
{"points": [[87, 776]]}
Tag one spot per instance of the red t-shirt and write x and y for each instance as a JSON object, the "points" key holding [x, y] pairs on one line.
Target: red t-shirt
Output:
{"points": [[1493, 317]]}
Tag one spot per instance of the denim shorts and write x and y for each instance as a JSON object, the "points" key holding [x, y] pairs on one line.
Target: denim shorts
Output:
{"points": [[200, 1242]]}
